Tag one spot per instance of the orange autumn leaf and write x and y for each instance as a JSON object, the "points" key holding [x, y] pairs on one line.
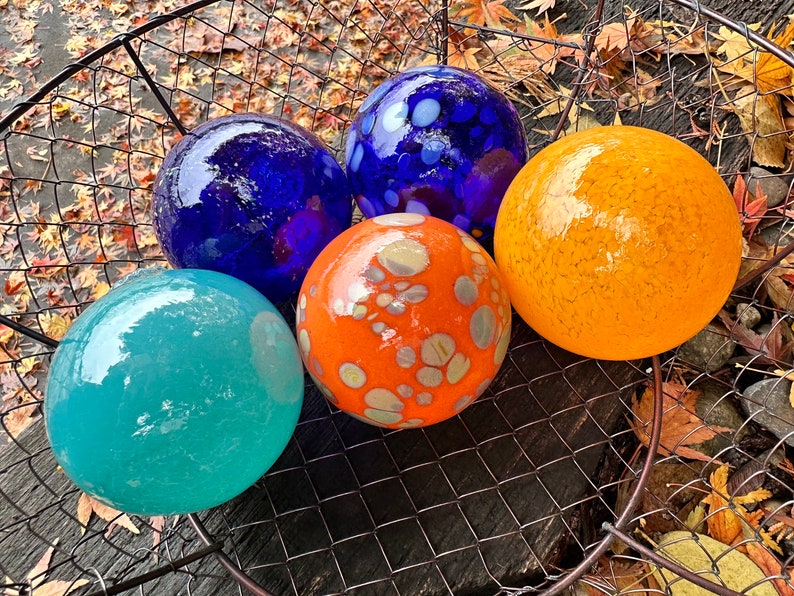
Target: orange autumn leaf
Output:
{"points": [[727, 517], [464, 58], [771, 73], [764, 70], [681, 426], [770, 566], [483, 12]]}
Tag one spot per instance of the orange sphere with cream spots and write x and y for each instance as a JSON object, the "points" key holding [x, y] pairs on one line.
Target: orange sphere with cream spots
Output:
{"points": [[403, 320], [618, 242]]}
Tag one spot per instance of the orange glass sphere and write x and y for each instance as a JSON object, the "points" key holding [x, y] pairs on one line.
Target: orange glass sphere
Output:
{"points": [[403, 320], [618, 242]]}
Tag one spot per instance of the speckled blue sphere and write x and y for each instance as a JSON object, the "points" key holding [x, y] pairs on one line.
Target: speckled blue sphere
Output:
{"points": [[436, 140], [252, 196], [174, 392]]}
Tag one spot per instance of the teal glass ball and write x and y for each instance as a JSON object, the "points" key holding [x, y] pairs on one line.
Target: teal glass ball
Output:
{"points": [[174, 392]]}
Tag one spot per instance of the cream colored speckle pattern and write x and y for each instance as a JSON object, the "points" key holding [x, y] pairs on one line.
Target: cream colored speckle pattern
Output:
{"points": [[414, 328]]}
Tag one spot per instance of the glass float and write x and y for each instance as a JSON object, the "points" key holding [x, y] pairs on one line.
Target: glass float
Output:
{"points": [[403, 320], [174, 392], [436, 140], [618, 242], [253, 196]]}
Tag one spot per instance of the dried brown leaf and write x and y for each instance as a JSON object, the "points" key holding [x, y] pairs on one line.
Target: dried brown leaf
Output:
{"points": [[464, 58], [84, 509], [200, 38], [19, 417], [681, 426], [770, 566], [772, 347], [614, 37], [483, 12], [735, 46], [760, 117]]}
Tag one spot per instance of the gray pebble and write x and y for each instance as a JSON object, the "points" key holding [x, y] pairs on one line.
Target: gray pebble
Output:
{"points": [[709, 350], [780, 234], [774, 187], [767, 403], [716, 407], [749, 316]]}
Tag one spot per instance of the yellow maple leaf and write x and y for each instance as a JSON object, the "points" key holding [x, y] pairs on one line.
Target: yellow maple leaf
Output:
{"points": [[54, 325], [727, 517], [735, 46], [764, 70]]}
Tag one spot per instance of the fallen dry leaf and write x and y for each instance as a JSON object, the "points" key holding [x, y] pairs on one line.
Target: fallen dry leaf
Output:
{"points": [[681, 426], [158, 524], [483, 12], [37, 576], [752, 207], [761, 119], [86, 506], [200, 38], [727, 517], [541, 5], [770, 566], [38, 573], [770, 348], [613, 576], [701, 554], [771, 73], [735, 46]]}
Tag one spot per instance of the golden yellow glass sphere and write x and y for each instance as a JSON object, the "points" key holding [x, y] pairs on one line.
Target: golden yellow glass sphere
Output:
{"points": [[618, 242]]}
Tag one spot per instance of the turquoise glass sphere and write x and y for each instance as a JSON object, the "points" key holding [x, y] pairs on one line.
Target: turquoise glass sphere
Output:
{"points": [[174, 392]]}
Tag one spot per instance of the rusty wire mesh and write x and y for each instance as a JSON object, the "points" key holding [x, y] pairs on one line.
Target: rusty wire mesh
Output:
{"points": [[510, 496]]}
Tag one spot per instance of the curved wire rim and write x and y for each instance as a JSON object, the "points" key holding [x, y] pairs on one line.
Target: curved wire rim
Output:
{"points": [[613, 531]]}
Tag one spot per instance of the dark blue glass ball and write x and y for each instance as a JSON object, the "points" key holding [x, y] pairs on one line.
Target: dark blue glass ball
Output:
{"points": [[252, 196], [436, 140]]}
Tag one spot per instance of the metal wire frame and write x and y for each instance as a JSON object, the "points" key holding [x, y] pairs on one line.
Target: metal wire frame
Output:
{"points": [[613, 531]]}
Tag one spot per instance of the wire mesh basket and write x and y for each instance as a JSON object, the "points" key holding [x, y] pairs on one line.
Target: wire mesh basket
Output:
{"points": [[568, 474]]}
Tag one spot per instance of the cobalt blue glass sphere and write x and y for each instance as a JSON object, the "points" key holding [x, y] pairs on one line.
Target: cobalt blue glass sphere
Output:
{"points": [[253, 196], [174, 392], [436, 140]]}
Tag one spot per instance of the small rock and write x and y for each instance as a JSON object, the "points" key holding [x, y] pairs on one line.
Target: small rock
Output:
{"points": [[749, 316], [709, 350], [767, 403], [716, 407], [780, 234], [774, 187]]}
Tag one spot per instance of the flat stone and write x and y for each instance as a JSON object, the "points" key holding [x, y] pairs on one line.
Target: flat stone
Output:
{"points": [[774, 187], [780, 234], [717, 408], [767, 403], [709, 350]]}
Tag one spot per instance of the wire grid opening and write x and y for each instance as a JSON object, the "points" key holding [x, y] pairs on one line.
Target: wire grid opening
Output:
{"points": [[512, 493]]}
